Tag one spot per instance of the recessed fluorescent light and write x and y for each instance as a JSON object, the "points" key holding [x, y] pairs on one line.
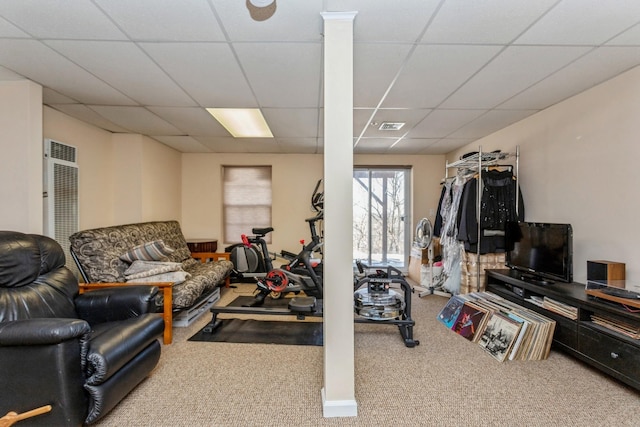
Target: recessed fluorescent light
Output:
{"points": [[242, 122]]}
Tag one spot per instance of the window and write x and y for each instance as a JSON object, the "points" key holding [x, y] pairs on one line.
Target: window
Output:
{"points": [[247, 200], [380, 213]]}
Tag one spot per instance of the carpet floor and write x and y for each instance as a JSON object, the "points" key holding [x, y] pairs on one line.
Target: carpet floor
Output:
{"points": [[445, 381]]}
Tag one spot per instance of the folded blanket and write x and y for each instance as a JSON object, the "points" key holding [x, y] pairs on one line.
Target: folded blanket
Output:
{"points": [[140, 269], [176, 277]]}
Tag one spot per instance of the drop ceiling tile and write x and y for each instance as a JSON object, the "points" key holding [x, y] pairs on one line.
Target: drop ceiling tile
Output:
{"points": [[447, 145], [136, 120], [597, 66], [292, 122], [121, 65], [434, 72], [391, 21], [183, 144], [6, 74], [208, 72], [514, 70], [41, 64], [491, 122], [412, 145], [372, 145], [631, 37], [441, 123], [240, 145], [283, 74], [362, 117], [583, 22], [7, 29], [478, 22], [164, 20], [191, 120], [298, 145], [54, 19], [386, 59], [87, 115], [292, 20], [50, 96]]}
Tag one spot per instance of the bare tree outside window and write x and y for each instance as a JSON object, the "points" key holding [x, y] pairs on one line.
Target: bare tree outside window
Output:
{"points": [[379, 215]]}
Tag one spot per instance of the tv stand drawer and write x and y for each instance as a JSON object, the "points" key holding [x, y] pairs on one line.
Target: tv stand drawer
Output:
{"points": [[612, 353]]}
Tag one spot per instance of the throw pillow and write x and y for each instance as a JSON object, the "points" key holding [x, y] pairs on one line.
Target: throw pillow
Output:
{"points": [[150, 251]]}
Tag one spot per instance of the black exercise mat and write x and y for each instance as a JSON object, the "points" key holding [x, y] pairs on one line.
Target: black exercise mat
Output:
{"points": [[243, 300], [264, 332]]}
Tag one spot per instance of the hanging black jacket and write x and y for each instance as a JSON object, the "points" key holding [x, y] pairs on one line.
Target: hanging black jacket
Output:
{"points": [[497, 207]]}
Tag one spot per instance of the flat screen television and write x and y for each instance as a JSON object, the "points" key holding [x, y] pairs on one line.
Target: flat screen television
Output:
{"points": [[541, 249]]}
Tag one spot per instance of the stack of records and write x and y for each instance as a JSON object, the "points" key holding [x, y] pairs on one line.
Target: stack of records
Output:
{"points": [[622, 327], [560, 308], [503, 329]]}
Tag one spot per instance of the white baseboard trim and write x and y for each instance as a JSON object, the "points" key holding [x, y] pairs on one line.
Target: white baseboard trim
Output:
{"points": [[338, 408]]}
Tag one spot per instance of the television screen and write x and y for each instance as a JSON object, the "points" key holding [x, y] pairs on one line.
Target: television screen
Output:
{"points": [[542, 249]]}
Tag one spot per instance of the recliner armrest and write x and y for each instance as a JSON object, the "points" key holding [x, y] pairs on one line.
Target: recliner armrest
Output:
{"points": [[117, 303], [42, 331]]}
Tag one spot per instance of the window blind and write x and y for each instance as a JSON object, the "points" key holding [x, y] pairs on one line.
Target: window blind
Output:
{"points": [[247, 198]]}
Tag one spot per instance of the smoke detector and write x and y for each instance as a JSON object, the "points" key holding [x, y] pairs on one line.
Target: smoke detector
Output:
{"points": [[391, 125]]}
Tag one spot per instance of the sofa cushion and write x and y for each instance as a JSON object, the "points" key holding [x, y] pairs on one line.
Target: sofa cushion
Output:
{"points": [[150, 251], [204, 278], [98, 250]]}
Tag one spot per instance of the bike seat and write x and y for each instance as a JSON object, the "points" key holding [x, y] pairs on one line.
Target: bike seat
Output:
{"points": [[262, 231]]}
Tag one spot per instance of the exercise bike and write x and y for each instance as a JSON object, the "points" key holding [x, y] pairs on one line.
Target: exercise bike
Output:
{"points": [[303, 273]]}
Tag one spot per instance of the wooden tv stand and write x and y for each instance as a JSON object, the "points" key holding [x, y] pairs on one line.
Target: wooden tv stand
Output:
{"points": [[605, 349]]}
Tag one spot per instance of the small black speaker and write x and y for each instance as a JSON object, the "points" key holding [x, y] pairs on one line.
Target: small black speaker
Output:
{"points": [[605, 270]]}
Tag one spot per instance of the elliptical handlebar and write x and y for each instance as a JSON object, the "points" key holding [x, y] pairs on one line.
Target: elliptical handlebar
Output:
{"points": [[317, 198]]}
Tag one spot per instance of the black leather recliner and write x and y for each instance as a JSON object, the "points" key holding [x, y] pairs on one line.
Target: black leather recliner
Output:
{"points": [[79, 353]]}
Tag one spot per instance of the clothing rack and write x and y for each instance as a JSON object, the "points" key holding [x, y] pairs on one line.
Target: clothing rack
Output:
{"points": [[478, 162]]}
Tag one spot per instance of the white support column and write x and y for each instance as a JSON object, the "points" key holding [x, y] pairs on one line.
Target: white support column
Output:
{"points": [[338, 393]]}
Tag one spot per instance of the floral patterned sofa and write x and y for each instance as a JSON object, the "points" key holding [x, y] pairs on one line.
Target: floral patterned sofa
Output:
{"points": [[99, 254]]}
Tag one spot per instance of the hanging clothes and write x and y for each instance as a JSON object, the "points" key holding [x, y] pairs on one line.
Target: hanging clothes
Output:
{"points": [[437, 224], [451, 247], [497, 208]]}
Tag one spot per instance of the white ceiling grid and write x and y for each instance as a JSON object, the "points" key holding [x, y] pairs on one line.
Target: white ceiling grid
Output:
{"points": [[453, 70]]}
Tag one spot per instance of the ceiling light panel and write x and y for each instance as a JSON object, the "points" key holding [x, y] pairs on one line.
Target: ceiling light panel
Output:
{"points": [[242, 122]]}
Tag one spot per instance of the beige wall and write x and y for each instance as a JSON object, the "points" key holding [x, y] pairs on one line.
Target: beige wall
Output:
{"points": [[95, 163], [577, 166], [147, 182], [21, 159], [124, 178], [294, 178]]}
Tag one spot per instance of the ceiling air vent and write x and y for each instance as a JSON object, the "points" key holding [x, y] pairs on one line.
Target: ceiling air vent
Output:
{"points": [[391, 126]]}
